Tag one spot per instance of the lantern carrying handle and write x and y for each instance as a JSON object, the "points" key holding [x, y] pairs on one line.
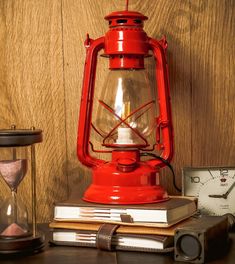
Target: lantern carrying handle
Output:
{"points": [[164, 121], [84, 126]]}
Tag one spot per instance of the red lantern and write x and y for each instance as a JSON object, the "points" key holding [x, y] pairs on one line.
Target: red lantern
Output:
{"points": [[126, 114]]}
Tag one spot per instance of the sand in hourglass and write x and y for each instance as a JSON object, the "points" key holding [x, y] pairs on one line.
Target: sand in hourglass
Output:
{"points": [[13, 172], [13, 230]]}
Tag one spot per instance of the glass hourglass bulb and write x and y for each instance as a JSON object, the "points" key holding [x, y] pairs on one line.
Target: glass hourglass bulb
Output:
{"points": [[13, 217], [13, 214]]}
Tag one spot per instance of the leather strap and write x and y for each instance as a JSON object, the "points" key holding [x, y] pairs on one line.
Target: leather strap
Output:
{"points": [[126, 218], [104, 236]]}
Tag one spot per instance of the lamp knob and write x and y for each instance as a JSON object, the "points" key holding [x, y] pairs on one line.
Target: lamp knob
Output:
{"points": [[126, 165]]}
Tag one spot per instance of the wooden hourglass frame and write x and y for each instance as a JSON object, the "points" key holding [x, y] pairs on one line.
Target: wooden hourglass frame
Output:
{"points": [[17, 233]]}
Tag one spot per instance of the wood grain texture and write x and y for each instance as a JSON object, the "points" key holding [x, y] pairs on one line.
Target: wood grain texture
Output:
{"points": [[213, 91], [32, 90], [41, 71]]}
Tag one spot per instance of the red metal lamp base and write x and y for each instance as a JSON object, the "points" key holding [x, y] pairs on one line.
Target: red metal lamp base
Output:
{"points": [[125, 180], [125, 195]]}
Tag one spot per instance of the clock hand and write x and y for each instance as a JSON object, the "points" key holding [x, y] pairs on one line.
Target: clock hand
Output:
{"points": [[217, 196], [225, 195], [229, 190]]}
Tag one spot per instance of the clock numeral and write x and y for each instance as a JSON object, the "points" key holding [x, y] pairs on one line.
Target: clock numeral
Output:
{"points": [[195, 179], [223, 172]]}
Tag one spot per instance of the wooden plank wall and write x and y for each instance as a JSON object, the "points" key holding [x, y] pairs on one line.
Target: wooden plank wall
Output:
{"points": [[41, 70]]}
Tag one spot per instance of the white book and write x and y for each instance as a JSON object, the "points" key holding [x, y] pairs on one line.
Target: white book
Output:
{"points": [[119, 241], [157, 214]]}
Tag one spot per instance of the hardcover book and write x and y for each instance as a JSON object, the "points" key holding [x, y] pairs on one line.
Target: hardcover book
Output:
{"points": [[123, 229], [86, 235], [162, 214]]}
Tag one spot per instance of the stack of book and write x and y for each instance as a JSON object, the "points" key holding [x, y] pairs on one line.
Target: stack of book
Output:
{"points": [[145, 227]]}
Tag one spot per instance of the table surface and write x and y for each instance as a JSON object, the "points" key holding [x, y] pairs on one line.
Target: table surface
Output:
{"points": [[72, 255]]}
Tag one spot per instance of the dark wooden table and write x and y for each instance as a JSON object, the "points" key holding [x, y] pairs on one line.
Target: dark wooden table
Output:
{"points": [[72, 255]]}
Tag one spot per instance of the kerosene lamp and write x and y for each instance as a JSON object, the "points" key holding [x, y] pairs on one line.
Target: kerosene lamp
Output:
{"points": [[17, 152], [126, 114]]}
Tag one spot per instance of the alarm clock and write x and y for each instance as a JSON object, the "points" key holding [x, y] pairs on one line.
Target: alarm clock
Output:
{"points": [[214, 187]]}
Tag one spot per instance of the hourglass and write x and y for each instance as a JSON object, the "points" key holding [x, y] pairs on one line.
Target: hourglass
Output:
{"points": [[13, 214], [17, 233]]}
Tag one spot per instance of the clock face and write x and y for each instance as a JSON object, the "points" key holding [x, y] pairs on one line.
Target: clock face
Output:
{"points": [[214, 188]]}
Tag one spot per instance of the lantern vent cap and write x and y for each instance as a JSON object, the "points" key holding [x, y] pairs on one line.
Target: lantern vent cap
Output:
{"points": [[126, 18], [126, 14]]}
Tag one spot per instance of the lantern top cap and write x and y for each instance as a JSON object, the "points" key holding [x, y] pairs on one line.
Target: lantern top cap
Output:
{"points": [[126, 14]]}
